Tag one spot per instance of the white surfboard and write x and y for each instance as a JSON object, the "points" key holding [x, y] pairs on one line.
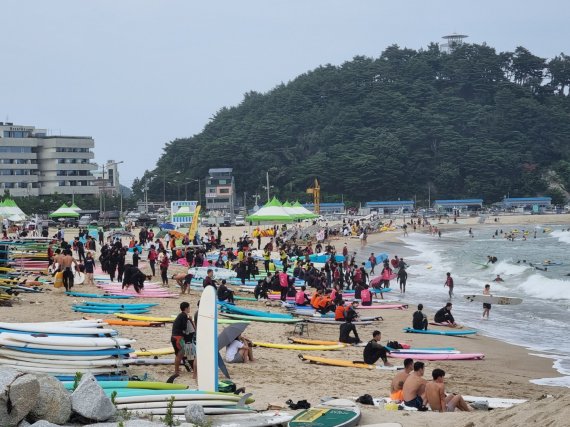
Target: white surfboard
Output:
{"points": [[489, 299], [186, 397], [260, 419], [175, 404], [19, 355], [207, 340], [66, 343], [495, 402]]}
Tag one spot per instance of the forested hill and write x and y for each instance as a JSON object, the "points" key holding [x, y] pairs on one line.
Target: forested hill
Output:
{"points": [[471, 123]]}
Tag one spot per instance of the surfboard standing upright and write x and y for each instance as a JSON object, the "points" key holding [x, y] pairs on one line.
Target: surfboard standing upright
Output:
{"points": [[207, 341]]}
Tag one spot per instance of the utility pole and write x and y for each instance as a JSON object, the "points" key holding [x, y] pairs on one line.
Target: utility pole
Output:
{"points": [[267, 176]]}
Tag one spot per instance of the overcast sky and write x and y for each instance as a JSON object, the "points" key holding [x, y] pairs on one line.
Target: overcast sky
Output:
{"points": [[135, 74]]}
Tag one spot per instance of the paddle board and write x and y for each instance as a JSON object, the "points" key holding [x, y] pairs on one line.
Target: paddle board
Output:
{"points": [[259, 419], [337, 322], [382, 307], [86, 295], [261, 319], [106, 352], [306, 347], [239, 310], [346, 363], [334, 413], [68, 341], [155, 352], [175, 404], [434, 332], [439, 356], [208, 410], [495, 402], [144, 318], [488, 299], [480, 264], [15, 354], [207, 340]]}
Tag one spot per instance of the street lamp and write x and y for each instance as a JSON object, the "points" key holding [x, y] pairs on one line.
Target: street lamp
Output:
{"points": [[199, 189]]}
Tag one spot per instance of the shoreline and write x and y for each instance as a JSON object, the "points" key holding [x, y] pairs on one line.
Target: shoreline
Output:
{"points": [[547, 360]]}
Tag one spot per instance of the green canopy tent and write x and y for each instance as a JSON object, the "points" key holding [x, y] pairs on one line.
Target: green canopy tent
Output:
{"points": [[75, 207], [272, 211], [64, 211], [302, 212]]}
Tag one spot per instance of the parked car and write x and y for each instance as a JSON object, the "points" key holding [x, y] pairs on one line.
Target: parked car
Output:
{"points": [[240, 220]]}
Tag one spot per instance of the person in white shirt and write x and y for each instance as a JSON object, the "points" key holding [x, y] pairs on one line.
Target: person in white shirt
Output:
{"points": [[239, 351]]}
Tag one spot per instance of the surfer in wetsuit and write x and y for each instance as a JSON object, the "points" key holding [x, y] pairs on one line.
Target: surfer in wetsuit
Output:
{"points": [[443, 315], [419, 319], [374, 350]]}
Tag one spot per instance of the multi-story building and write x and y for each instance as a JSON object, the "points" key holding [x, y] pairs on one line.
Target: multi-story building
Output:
{"points": [[220, 190], [35, 164]]}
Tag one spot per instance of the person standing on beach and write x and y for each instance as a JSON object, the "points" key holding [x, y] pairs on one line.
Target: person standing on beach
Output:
{"points": [[449, 283], [486, 305], [179, 327], [402, 279], [372, 260], [437, 398]]}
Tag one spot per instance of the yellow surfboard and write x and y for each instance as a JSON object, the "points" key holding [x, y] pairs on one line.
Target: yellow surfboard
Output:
{"points": [[155, 352], [345, 363]]}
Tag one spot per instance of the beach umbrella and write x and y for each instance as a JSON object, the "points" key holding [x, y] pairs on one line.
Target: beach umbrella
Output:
{"points": [[225, 338]]}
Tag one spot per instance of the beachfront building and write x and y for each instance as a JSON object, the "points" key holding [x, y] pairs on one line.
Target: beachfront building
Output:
{"points": [[107, 178], [220, 190], [457, 206], [327, 208], [390, 207], [35, 164], [534, 204]]}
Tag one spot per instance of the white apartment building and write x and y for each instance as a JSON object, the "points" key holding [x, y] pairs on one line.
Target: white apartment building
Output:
{"points": [[35, 164]]}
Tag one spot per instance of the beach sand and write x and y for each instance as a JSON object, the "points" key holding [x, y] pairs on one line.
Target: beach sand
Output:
{"points": [[279, 375]]}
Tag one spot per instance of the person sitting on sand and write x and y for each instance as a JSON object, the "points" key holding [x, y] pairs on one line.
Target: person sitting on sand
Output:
{"points": [[419, 319], [240, 351], [396, 388], [436, 398], [443, 315], [345, 329], [374, 350], [414, 388], [301, 297], [224, 293], [339, 311]]}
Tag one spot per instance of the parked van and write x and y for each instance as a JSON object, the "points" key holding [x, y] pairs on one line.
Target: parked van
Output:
{"points": [[240, 220], [85, 220]]}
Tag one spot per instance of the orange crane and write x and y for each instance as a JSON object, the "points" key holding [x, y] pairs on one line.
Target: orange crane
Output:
{"points": [[316, 192]]}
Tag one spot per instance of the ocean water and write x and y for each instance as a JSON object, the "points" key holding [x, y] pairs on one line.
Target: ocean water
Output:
{"points": [[540, 323]]}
